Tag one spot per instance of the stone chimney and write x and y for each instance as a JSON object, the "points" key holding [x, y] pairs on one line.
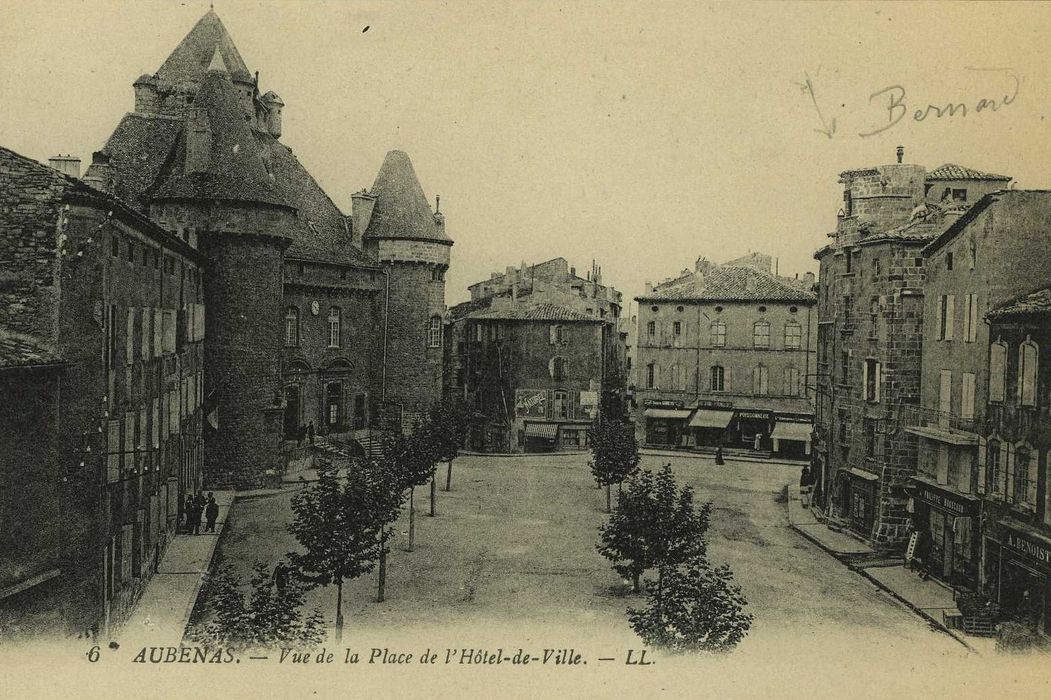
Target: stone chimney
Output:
{"points": [[67, 165], [649, 287], [361, 205], [147, 101], [99, 173]]}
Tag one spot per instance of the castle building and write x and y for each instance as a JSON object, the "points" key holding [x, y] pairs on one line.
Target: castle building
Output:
{"points": [[871, 306], [723, 355], [316, 318], [102, 333]]}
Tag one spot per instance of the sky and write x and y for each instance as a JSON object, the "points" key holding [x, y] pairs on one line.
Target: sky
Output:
{"points": [[639, 135]]}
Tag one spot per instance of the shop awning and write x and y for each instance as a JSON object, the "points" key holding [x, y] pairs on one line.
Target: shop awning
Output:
{"points": [[792, 431], [862, 474], [541, 430], [669, 413], [709, 418]]}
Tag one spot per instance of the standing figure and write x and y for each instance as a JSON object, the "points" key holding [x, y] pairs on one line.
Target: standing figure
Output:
{"points": [[310, 432], [195, 515], [211, 512], [719, 455], [188, 510], [806, 486]]}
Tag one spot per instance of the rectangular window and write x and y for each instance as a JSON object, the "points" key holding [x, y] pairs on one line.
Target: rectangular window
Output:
{"points": [[959, 195], [967, 396], [291, 327], [872, 379], [793, 336], [791, 381], [651, 328], [718, 334], [677, 328], [970, 319], [850, 261], [761, 334], [948, 260], [946, 314], [168, 331], [434, 332], [147, 333], [334, 322], [760, 377], [651, 376], [129, 338], [718, 378], [1027, 369], [998, 372]]}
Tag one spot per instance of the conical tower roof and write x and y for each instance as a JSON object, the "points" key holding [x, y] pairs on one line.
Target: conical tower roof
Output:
{"points": [[401, 209], [235, 169], [190, 60]]}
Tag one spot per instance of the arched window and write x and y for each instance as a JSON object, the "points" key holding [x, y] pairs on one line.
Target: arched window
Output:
{"points": [[998, 371], [292, 327], [557, 368], [718, 378], [334, 323], [1024, 483], [793, 335], [761, 334], [1027, 366], [434, 332], [558, 335], [718, 334]]}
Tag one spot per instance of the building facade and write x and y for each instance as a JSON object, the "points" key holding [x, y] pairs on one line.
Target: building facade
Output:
{"points": [[871, 334], [102, 337], [722, 359], [988, 257]]}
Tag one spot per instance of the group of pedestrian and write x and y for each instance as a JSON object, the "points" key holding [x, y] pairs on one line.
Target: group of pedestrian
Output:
{"points": [[194, 507]]}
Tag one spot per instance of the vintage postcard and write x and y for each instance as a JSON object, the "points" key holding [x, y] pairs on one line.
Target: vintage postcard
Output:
{"points": [[525, 349]]}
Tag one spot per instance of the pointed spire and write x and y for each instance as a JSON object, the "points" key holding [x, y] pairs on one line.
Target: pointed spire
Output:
{"points": [[195, 54], [402, 209]]}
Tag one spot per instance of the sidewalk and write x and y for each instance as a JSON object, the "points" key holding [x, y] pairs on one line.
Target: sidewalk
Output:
{"points": [[929, 599], [161, 615]]}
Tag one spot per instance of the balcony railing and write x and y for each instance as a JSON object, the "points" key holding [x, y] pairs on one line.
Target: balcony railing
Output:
{"points": [[1015, 422], [923, 417]]}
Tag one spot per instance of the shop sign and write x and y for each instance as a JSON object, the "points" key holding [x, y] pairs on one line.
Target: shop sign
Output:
{"points": [[662, 403], [588, 403], [759, 415], [1030, 547], [945, 501], [531, 403]]}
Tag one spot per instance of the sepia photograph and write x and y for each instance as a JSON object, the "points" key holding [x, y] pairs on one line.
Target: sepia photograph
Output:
{"points": [[525, 348]]}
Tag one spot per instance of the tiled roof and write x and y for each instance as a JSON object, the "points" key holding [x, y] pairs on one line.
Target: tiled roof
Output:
{"points": [[540, 312], [235, 167], [926, 225], [729, 283], [22, 350], [1036, 303], [401, 209], [321, 231], [190, 60], [951, 171]]}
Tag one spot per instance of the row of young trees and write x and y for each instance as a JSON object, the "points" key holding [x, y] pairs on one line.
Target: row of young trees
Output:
{"points": [[343, 523], [657, 528]]}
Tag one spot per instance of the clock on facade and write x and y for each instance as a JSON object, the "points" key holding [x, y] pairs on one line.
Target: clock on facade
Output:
{"points": [[315, 307]]}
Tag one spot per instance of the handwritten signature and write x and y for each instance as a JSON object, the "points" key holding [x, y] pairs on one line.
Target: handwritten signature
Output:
{"points": [[892, 102]]}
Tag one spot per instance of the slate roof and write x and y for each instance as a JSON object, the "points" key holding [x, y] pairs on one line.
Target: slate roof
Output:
{"points": [[22, 350], [951, 171], [236, 171], [728, 283], [190, 60], [540, 312], [401, 209], [1036, 303]]}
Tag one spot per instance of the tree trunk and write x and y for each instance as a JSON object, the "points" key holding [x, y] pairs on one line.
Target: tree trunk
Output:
{"points": [[635, 583], [383, 569], [412, 519], [609, 498], [449, 476], [660, 591], [339, 611], [434, 496]]}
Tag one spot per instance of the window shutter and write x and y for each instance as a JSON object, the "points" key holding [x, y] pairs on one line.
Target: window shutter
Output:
{"points": [[129, 338], [940, 304], [997, 365], [982, 443], [1030, 496], [727, 374], [879, 379], [967, 396], [950, 315], [1007, 456], [156, 423], [157, 327], [147, 333], [972, 335], [865, 379], [552, 333]]}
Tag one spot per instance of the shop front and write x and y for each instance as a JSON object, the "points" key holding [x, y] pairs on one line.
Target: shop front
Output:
{"points": [[666, 424], [858, 499], [751, 428], [540, 436], [1018, 573], [709, 425], [948, 521], [791, 439], [573, 436]]}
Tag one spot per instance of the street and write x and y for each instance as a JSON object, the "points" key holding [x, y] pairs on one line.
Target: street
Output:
{"points": [[511, 557]]}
